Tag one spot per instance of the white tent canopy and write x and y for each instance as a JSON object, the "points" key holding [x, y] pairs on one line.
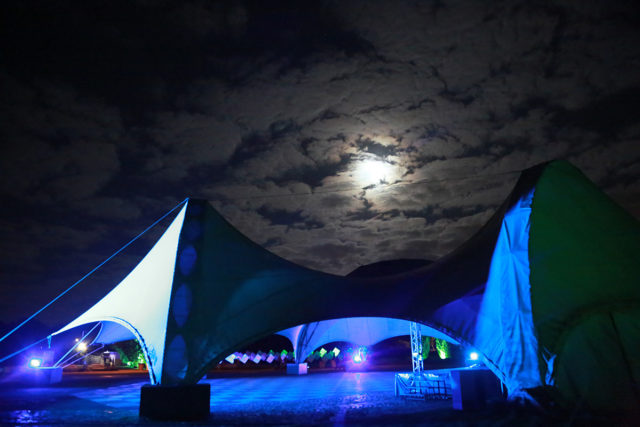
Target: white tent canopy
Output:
{"points": [[140, 303], [361, 331]]}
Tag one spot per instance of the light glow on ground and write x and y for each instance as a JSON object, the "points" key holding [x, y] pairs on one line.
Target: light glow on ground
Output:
{"points": [[230, 392]]}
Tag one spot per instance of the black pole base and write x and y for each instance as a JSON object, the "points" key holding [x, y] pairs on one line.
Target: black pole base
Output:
{"points": [[175, 402]]}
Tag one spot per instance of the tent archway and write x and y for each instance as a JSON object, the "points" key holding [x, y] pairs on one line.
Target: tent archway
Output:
{"points": [[365, 331], [430, 330], [114, 329]]}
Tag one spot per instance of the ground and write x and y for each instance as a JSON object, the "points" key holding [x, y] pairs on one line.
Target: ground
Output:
{"points": [[258, 398]]}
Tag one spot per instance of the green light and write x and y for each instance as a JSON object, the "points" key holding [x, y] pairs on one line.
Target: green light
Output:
{"points": [[322, 352], [426, 347], [442, 347], [335, 351]]}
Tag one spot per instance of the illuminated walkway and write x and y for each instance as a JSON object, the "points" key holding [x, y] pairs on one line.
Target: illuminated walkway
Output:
{"points": [[254, 399], [226, 392], [319, 399], [307, 399]]}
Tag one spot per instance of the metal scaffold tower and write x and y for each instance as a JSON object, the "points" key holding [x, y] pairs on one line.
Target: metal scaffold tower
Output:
{"points": [[416, 348], [419, 384]]}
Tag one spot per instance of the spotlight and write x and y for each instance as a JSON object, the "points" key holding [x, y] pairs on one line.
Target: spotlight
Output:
{"points": [[359, 355], [35, 362], [473, 356], [82, 346]]}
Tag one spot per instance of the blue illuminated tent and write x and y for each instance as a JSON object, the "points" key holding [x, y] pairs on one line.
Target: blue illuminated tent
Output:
{"points": [[547, 293], [359, 331]]}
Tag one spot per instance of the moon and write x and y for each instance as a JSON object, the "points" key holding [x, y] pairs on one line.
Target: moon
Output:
{"points": [[372, 171]]}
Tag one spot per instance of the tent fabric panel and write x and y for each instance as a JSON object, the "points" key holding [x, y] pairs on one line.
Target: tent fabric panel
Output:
{"points": [[592, 370], [585, 249], [474, 262], [504, 331], [239, 293], [628, 320], [585, 257], [292, 334], [140, 302], [365, 331], [112, 332]]}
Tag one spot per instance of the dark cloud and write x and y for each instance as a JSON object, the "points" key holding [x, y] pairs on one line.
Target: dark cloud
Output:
{"points": [[370, 146], [314, 174], [607, 115], [335, 200], [290, 219]]}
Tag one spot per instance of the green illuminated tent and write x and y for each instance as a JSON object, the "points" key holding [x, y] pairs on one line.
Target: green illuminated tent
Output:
{"points": [[547, 292], [585, 290]]}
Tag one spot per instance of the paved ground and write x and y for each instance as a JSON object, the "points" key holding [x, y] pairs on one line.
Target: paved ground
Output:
{"points": [[262, 399]]}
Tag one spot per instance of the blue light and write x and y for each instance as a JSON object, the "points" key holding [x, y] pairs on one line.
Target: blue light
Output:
{"points": [[359, 355], [35, 362]]}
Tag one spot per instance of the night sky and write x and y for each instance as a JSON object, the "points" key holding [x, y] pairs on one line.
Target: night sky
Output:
{"points": [[333, 133]]}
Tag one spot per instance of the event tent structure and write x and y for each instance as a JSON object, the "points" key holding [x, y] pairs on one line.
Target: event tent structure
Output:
{"points": [[547, 292], [360, 331]]}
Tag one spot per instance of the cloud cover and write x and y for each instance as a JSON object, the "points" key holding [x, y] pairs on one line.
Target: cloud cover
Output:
{"points": [[114, 112]]}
